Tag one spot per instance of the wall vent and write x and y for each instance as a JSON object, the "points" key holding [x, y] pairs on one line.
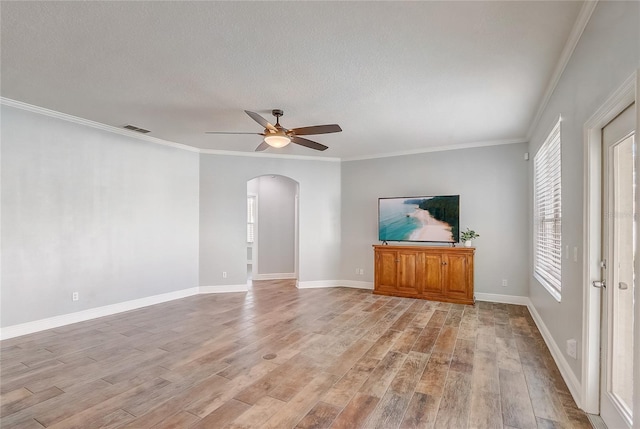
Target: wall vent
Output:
{"points": [[137, 129]]}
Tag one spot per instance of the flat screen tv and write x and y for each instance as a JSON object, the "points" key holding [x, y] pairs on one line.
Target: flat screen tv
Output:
{"points": [[426, 218]]}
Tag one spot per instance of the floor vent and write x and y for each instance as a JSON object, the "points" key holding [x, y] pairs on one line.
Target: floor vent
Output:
{"points": [[137, 129]]}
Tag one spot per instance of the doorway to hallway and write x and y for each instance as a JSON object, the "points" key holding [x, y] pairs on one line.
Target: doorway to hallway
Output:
{"points": [[272, 228]]}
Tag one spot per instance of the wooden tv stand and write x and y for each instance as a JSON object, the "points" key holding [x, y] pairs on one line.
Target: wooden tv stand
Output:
{"points": [[426, 272]]}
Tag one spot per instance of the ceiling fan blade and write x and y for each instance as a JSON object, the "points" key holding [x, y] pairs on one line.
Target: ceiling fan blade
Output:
{"points": [[308, 143], [317, 129], [231, 132], [259, 119], [262, 146]]}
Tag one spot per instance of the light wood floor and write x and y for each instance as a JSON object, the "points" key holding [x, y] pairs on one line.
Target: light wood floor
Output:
{"points": [[279, 357]]}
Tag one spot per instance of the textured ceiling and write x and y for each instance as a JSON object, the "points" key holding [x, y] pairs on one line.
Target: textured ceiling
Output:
{"points": [[397, 76]]}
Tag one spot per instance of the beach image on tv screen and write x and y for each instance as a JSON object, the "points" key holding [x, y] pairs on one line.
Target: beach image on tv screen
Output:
{"points": [[419, 218]]}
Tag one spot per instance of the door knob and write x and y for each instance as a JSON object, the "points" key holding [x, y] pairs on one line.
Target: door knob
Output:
{"points": [[599, 284]]}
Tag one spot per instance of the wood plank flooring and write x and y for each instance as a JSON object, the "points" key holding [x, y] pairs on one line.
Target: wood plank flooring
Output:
{"points": [[279, 357]]}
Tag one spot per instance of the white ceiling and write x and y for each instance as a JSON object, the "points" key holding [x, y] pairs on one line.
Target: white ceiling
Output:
{"points": [[397, 76]]}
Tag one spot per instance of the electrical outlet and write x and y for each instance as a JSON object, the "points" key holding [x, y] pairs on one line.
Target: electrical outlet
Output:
{"points": [[357, 271], [575, 254], [75, 296], [224, 274], [361, 272], [505, 283], [572, 348]]}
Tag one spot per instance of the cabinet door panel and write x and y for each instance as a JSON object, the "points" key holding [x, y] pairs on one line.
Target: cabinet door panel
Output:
{"points": [[407, 264], [386, 270], [456, 269], [431, 278]]}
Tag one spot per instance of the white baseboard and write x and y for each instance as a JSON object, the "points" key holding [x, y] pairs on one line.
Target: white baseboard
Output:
{"points": [[81, 316], [335, 283], [356, 284], [223, 288], [92, 313], [317, 284], [565, 370], [275, 276], [502, 299]]}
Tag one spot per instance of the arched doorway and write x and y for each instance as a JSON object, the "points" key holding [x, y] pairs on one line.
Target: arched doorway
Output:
{"points": [[272, 228]]}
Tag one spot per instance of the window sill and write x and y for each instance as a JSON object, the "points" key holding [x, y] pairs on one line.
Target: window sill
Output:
{"points": [[553, 291]]}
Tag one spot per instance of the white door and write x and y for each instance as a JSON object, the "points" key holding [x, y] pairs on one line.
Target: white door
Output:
{"points": [[619, 229]]}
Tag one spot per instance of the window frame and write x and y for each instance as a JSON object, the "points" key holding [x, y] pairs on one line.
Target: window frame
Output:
{"points": [[252, 207], [547, 213]]}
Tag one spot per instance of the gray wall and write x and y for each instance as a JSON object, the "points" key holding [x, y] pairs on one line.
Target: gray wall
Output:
{"points": [[276, 224], [606, 55], [111, 217], [491, 182], [223, 191]]}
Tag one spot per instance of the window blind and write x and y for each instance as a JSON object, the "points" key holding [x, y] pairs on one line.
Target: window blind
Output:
{"points": [[251, 218], [548, 212]]}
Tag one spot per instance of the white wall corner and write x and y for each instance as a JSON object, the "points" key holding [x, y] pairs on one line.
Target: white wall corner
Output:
{"points": [[92, 313], [565, 370], [223, 288]]}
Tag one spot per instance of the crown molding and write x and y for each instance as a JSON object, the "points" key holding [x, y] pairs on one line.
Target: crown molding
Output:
{"points": [[438, 149], [572, 41], [109, 128], [132, 134], [93, 124], [267, 155]]}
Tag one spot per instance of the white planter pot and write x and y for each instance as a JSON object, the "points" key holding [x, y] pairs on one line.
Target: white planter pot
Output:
{"points": [[467, 243]]}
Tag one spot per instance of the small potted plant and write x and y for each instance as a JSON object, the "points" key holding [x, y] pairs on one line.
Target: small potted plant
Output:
{"points": [[467, 236]]}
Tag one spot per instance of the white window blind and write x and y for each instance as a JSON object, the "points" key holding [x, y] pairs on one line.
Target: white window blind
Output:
{"points": [[251, 218], [547, 213]]}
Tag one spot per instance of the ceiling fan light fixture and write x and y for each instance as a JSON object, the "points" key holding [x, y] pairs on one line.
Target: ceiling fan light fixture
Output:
{"points": [[277, 136], [277, 140]]}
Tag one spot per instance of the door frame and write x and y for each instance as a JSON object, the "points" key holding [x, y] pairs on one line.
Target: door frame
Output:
{"points": [[636, 327], [624, 96], [296, 233]]}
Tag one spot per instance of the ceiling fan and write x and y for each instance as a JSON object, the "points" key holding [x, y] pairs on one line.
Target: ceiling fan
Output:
{"points": [[277, 136]]}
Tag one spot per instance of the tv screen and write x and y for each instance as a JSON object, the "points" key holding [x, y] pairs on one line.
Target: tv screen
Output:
{"points": [[427, 218]]}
